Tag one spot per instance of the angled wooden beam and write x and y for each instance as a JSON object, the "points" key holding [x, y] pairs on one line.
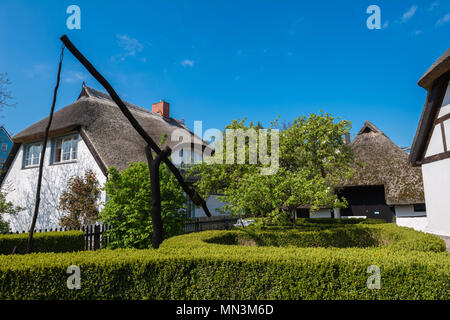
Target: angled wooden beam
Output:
{"points": [[191, 192]]}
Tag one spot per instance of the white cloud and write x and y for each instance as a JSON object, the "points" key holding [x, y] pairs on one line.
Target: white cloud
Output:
{"points": [[443, 20], [187, 63], [129, 45], [409, 14], [39, 70], [74, 76], [417, 32], [433, 5], [293, 28]]}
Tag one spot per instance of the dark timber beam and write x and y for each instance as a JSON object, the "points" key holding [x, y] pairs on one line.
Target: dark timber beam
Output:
{"points": [[41, 160], [153, 166], [192, 193]]}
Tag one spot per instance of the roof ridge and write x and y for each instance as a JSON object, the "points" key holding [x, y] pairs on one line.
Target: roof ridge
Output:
{"points": [[369, 127], [90, 92]]}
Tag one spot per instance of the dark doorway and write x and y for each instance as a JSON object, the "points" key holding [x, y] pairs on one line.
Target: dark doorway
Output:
{"points": [[366, 201], [302, 213]]}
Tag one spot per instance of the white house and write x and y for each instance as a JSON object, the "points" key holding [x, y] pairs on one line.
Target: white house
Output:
{"points": [[93, 134], [385, 185], [431, 146]]}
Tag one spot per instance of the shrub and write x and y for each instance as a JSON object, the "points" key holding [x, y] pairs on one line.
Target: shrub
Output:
{"points": [[63, 241], [79, 201], [129, 203], [6, 207], [337, 237], [321, 235], [190, 267]]}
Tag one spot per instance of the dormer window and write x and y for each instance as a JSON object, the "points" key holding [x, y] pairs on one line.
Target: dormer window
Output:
{"points": [[32, 155], [65, 149]]}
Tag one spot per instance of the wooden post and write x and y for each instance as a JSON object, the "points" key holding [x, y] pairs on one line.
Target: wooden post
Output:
{"points": [[153, 165], [96, 237], [41, 161]]}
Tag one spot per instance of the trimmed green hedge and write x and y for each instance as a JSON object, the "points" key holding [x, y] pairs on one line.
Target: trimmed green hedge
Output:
{"points": [[63, 241], [336, 235], [191, 267], [349, 236]]}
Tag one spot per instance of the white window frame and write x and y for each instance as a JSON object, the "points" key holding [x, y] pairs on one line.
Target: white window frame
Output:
{"points": [[30, 159], [62, 155]]}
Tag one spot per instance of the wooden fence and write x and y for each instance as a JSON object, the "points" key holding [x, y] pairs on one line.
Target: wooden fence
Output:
{"points": [[209, 223], [93, 234], [95, 238]]}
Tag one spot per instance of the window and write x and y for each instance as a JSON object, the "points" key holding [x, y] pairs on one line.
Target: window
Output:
{"points": [[418, 207], [33, 154], [4, 147], [65, 149]]}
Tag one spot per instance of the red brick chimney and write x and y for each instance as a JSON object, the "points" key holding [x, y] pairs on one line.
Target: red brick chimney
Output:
{"points": [[162, 108]]}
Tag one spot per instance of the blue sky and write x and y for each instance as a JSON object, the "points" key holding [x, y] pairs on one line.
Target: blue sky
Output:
{"points": [[217, 61]]}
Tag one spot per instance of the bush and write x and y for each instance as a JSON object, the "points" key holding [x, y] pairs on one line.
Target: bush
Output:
{"points": [[63, 241], [80, 201], [321, 235], [337, 237], [311, 223], [190, 267], [129, 203]]}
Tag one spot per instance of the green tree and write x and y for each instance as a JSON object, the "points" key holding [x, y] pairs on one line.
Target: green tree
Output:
{"points": [[6, 207], [80, 201], [313, 159], [129, 202]]}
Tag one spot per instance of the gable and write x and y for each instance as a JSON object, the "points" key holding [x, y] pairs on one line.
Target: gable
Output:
{"points": [[438, 146], [430, 143]]}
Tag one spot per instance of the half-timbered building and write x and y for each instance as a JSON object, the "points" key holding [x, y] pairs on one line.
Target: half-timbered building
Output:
{"points": [[431, 146]]}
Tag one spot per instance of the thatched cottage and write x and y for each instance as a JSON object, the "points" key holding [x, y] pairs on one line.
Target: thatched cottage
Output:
{"points": [[91, 133], [384, 186], [431, 146]]}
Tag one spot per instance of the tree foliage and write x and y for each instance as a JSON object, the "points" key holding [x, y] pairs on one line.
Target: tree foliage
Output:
{"points": [[80, 201], [129, 204], [313, 159], [6, 207]]}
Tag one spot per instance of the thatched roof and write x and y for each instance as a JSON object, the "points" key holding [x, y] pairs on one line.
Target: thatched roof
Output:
{"points": [[106, 130], [436, 70], [385, 163]]}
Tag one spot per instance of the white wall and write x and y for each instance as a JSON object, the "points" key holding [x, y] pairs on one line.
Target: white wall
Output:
{"points": [[445, 107], [436, 144], [20, 186], [436, 181], [213, 203], [321, 213], [417, 223], [405, 216]]}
